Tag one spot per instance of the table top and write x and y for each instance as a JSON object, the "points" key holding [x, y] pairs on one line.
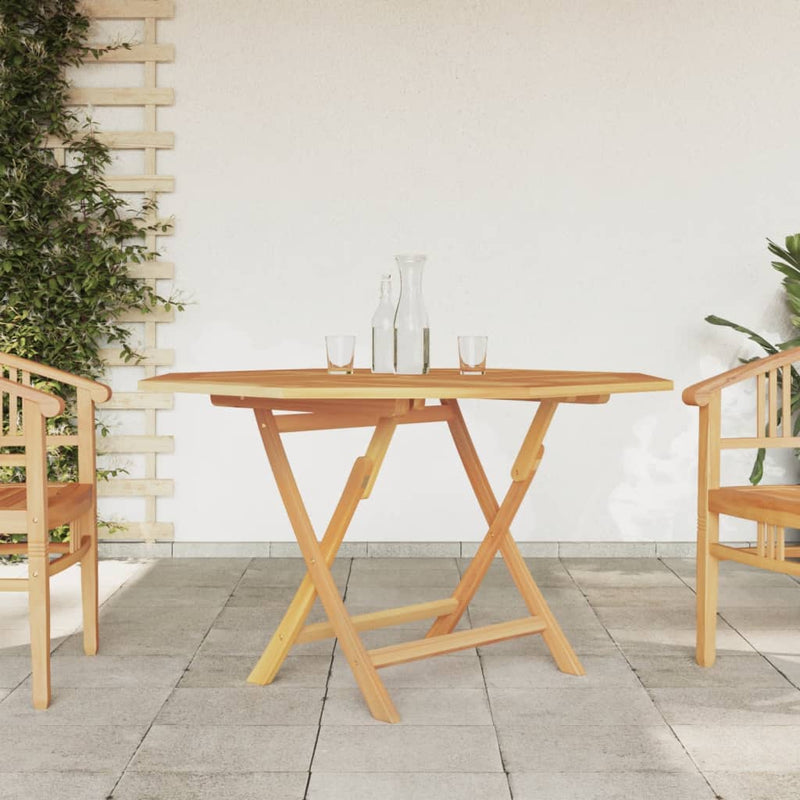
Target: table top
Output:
{"points": [[495, 384]]}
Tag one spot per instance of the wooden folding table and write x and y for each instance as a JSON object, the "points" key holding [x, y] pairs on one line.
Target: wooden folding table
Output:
{"points": [[311, 399]]}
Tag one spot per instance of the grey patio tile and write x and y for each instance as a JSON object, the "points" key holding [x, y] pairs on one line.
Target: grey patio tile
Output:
{"points": [[547, 572], [743, 705], [620, 572], [407, 748], [634, 597], [14, 670], [609, 748], [85, 707], [378, 597], [771, 643], [616, 617], [4, 693], [70, 748], [199, 786], [188, 572], [728, 670], [252, 641], [380, 565], [460, 670], [605, 786], [505, 596], [585, 707], [755, 785], [116, 672], [19, 645], [788, 665], [763, 597], [195, 616], [246, 705], [271, 597], [675, 641], [585, 641], [749, 748], [731, 574], [136, 638], [172, 597], [287, 572], [568, 616], [209, 671], [775, 618], [407, 786], [242, 618], [61, 785], [442, 579], [224, 749], [416, 707], [532, 672]]}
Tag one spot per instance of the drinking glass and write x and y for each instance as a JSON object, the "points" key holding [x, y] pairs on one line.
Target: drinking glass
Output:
{"points": [[472, 354], [340, 349]]}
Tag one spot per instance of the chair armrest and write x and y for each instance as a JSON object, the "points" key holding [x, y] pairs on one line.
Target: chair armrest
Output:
{"points": [[99, 391], [49, 404], [700, 394]]}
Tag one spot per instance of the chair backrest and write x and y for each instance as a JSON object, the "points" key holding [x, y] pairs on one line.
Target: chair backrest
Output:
{"points": [[777, 389], [23, 385]]}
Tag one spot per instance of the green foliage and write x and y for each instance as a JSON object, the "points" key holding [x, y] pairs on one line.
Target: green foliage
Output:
{"points": [[66, 240], [789, 267]]}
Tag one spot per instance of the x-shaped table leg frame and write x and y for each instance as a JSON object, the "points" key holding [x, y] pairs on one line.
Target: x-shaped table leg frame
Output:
{"points": [[441, 638]]}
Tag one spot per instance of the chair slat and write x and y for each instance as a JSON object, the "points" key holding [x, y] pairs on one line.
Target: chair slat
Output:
{"points": [[786, 403], [13, 405], [771, 541], [761, 541], [773, 403], [760, 390]]}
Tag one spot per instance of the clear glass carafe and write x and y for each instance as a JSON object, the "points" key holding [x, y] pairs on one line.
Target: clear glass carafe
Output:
{"points": [[411, 334], [383, 329]]}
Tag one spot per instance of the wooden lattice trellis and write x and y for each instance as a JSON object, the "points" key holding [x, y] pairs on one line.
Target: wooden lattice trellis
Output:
{"points": [[149, 97]]}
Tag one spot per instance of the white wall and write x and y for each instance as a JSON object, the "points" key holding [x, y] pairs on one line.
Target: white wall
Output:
{"points": [[589, 179]]}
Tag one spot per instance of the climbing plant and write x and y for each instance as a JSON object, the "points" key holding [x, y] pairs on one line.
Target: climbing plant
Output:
{"points": [[66, 240]]}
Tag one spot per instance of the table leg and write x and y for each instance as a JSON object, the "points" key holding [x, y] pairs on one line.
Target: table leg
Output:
{"points": [[319, 574], [362, 478], [499, 535]]}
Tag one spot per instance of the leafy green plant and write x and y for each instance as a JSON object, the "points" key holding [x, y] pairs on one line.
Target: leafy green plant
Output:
{"points": [[66, 240], [789, 267]]}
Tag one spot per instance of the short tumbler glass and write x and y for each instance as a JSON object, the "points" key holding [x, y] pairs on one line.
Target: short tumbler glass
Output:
{"points": [[472, 354], [340, 350]]}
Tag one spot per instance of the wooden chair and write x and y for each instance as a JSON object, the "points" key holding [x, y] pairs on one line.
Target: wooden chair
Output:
{"points": [[772, 508], [36, 507]]}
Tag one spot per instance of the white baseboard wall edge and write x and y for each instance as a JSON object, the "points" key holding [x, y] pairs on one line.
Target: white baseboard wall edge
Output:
{"points": [[171, 549]]}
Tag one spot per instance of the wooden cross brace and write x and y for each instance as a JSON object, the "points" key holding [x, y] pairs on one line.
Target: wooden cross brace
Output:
{"points": [[319, 556]]}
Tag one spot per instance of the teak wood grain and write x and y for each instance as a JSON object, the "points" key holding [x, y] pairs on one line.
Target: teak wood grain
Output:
{"points": [[498, 384], [36, 507], [303, 400], [772, 508]]}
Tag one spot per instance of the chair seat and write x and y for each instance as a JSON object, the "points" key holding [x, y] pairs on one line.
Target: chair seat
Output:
{"points": [[775, 505], [65, 502]]}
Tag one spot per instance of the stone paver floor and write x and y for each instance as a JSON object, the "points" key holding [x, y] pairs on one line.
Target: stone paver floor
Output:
{"points": [[164, 710]]}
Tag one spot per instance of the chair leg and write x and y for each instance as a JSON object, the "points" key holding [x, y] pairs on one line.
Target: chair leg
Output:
{"points": [[87, 526], [707, 590], [39, 619]]}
